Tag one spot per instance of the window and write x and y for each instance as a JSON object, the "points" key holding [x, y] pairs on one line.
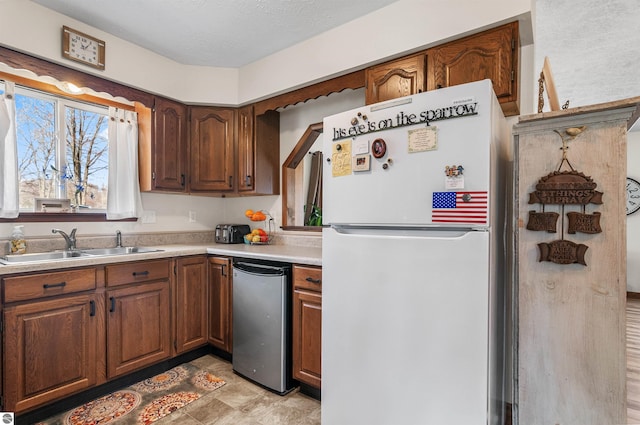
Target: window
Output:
{"points": [[62, 150]]}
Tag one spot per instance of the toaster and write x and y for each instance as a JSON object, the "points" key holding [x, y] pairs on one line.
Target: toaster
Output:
{"points": [[231, 233]]}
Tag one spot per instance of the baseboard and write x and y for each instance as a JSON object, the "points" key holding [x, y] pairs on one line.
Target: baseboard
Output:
{"points": [[508, 414], [312, 392], [634, 295]]}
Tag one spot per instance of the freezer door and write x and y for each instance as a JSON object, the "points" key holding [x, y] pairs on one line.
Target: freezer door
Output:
{"points": [[399, 187], [405, 327]]}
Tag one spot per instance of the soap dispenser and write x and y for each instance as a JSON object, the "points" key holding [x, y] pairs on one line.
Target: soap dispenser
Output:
{"points": [[18, 244]]}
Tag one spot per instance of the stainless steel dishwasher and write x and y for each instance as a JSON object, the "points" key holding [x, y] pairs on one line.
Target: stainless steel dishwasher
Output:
{"points": [[261, 323]]}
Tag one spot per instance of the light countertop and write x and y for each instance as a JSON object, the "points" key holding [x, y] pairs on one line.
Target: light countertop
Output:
{"points": [[285, 253]]}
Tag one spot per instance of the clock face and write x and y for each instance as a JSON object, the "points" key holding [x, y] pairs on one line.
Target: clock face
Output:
{"points": [[633, 196], [82, 48]]}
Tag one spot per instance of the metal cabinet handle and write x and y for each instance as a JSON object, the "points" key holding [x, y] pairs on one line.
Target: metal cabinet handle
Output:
{"points": [[54, 285], [92, 308], [138, 274], [223, 269], [312, 280], [182, 179], [230, 181], [112, 300], [247, 181]]}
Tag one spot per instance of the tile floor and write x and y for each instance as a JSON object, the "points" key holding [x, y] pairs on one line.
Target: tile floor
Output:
{"points": [[241, 402]]}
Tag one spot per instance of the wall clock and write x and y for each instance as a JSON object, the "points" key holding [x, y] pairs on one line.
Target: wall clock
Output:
{"points": [[83, 48], [633, 195]]}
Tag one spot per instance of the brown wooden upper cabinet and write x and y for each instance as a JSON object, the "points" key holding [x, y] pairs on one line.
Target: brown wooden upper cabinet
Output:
{"points": [[169, 151], [258, 168], [491, 54], [398, 78], [211, 150], [212, 136]]}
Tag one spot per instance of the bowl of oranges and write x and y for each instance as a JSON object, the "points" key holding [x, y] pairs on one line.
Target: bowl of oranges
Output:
{"points": [[256, 215], [259, 236]]}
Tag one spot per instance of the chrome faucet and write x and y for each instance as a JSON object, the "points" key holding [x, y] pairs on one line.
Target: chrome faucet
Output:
{"points": [[70, 238], [118, 239]]}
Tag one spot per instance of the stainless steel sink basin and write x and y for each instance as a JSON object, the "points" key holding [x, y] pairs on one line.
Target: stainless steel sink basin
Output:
{"points": [[61, 255], [119, 250], [41, 256]]}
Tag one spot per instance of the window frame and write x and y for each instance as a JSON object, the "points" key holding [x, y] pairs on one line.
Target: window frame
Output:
{"points": [[61, 106], [87, 99]]}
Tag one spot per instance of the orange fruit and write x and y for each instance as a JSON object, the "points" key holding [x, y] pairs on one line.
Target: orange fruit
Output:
{"points": [[248, 213], [258, 216]]}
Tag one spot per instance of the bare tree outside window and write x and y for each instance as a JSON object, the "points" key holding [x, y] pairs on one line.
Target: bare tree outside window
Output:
{"points": [[87, 153], [36, 149], [67, 159]]}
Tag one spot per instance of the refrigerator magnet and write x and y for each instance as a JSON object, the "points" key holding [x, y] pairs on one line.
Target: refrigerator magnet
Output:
{"points": [[454, 179], [361, 163], [360, 147], [341, 159], [423, 139], [379, 148]]}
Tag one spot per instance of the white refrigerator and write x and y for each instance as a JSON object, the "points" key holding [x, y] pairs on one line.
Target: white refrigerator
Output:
{"points": [[413, 308]]}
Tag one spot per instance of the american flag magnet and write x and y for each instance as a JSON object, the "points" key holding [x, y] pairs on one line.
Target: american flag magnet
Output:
{"points": [[468, 207]]}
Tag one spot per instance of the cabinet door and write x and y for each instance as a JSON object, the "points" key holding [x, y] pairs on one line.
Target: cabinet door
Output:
{"points": [[191, 303], [246, 149], [169, 145], [258, 152], [307, 325], [390, 80], [50, 350], [212, 149], [220, 303], [492, 54], [138, 332]]}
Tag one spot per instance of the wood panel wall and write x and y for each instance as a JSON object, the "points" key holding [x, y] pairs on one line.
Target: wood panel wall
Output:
{"points": [[570, 319]]}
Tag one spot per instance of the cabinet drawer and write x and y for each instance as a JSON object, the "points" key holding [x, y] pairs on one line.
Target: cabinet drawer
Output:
{"points": [[307, 277], [21, 288], [143, 271]]}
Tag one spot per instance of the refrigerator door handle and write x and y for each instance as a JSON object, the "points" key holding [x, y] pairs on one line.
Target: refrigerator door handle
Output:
{"points": [[407, 231]]}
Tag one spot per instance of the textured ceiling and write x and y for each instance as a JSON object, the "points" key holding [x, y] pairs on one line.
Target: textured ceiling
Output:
{"points": [[221, 33]]}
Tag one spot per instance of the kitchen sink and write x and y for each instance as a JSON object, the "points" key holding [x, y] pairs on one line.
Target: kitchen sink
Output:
{"points": [[61, 255], [41, 256], [119, 250]]}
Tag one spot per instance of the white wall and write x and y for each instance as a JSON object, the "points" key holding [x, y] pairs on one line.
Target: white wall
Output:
{"points": [[594, 51], [403, 26]]}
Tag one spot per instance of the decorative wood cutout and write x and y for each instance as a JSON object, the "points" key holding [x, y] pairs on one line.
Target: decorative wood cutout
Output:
{"points": [[563, 252], [565, 188], [584, 223], [542, 221]]}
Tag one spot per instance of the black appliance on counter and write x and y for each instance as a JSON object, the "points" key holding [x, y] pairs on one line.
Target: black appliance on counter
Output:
{"points": [[231, 233]]}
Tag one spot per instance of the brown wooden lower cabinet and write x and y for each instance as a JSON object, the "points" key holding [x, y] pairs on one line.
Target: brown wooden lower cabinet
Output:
{"points": [[50, 349], [307, 324], [220, 330], [66, 331], [190, 303], [138, 327]]}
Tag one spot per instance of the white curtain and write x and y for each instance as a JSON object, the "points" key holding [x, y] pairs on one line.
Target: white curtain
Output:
{"points": [[9, 203], [123, 199]]}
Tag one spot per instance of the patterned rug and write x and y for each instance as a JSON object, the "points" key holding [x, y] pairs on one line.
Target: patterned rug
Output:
{"points": [[145, 402]]}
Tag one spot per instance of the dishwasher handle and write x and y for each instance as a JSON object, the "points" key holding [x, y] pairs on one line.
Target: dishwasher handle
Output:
{"points": [[260, 269]]}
